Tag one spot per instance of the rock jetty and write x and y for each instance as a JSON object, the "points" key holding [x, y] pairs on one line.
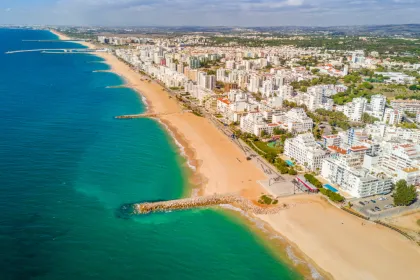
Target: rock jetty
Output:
{"points": [[206, 201]]}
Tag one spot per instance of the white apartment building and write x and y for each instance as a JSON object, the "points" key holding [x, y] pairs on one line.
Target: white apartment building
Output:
{"points": [[235, 105], [399, 157], [345, 169], [315, 98], [392, 116], [410, 174], [254, 83], [305, 151], [294, 121], [255, 123], [285, 91], [397, 78], [331, 140], [355, 180], [376, 107], [412, 106], [355, 109]]}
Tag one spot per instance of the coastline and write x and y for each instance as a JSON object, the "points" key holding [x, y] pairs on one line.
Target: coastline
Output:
{"points": [[321, 234]]}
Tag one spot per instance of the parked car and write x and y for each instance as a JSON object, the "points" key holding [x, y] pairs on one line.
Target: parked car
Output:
{"points": [[361, 202], [377, 208], [373, 201]]}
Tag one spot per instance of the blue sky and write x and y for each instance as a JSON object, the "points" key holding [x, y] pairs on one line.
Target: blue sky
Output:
{"points": [[210, 12]]}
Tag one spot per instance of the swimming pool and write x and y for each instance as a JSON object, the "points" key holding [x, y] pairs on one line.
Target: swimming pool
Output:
{"points": [[289, 162], [329, 187]]}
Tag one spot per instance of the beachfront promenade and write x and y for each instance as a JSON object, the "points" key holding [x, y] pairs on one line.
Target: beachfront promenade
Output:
{"points": [[206, 201]]}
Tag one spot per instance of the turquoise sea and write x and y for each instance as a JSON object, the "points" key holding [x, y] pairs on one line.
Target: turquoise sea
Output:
{"points": [[66, 167]]}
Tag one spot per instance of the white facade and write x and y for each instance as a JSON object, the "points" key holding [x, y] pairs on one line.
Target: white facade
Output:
{"points": [[357, 181], [412, 106], [255, 123], [392, 116], [355, 109], [304, 149], [376, 107], [294, 121]]}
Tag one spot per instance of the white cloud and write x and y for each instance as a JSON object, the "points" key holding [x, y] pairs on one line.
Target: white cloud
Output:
{"points": [[213, 12], [8, 10]]}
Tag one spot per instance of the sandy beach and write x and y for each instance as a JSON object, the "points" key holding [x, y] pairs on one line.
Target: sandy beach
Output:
{"points": [[336, 241]]}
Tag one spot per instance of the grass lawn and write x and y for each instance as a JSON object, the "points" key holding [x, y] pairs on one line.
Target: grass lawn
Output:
{"points": [[266, 148]]}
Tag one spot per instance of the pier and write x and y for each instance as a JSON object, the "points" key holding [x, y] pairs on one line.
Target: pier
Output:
{"points": [[144, 115], [55, 50], [206, 201], [56, 41]]}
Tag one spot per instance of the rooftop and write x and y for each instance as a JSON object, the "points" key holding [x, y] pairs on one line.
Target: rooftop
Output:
{"points": [[358, 148], [337, 150]]}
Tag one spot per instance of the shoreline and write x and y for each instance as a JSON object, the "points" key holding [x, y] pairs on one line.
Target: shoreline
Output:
{"points": [[316, 231]]}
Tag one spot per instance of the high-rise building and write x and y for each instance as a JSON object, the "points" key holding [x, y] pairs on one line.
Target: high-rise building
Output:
{"points": [[254, 83], [210, 82], [304, 149], [202, 79], [194, 62]]}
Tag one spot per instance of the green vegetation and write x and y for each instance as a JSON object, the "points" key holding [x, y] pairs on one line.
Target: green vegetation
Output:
{"points": [[265, 199], [404, 195], [410, 114], [407, 125], [321, 80], [267, 152], [211, 72], [414, 87], [263, 146], [335, 119], [362, 90], [366, 118], [308, 61], [290, 105], [314, 181], [197, 112], [415, 96], [331, 42], [336, 197]]}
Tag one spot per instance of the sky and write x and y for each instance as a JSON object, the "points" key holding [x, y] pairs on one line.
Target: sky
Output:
{"points": [[209, 12]]}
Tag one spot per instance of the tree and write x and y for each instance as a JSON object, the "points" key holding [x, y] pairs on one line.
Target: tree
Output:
{"points": [[263, 133], [278, 131], [366, 118], [404, 195]]}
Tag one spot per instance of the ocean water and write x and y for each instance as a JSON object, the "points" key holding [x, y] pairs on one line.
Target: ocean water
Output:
{"points": [[67, 166]]}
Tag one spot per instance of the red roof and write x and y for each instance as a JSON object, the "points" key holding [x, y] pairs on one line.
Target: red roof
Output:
{"points": [[337, 149], [358, 148], [224, 100], [329, 136]]}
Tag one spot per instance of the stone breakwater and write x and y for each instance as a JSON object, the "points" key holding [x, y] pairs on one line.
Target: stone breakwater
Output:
{"points": [[136, 116], [206, 201]]}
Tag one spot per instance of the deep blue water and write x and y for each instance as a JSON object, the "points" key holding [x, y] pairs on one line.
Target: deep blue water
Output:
{"points": [[66, 167]]}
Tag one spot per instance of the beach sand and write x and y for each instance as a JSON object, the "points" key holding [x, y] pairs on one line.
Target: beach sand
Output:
{"points": [[335, 240]]}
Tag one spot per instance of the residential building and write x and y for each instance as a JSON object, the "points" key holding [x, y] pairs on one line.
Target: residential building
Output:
{"points": [[305, 151], [294, 121]]}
